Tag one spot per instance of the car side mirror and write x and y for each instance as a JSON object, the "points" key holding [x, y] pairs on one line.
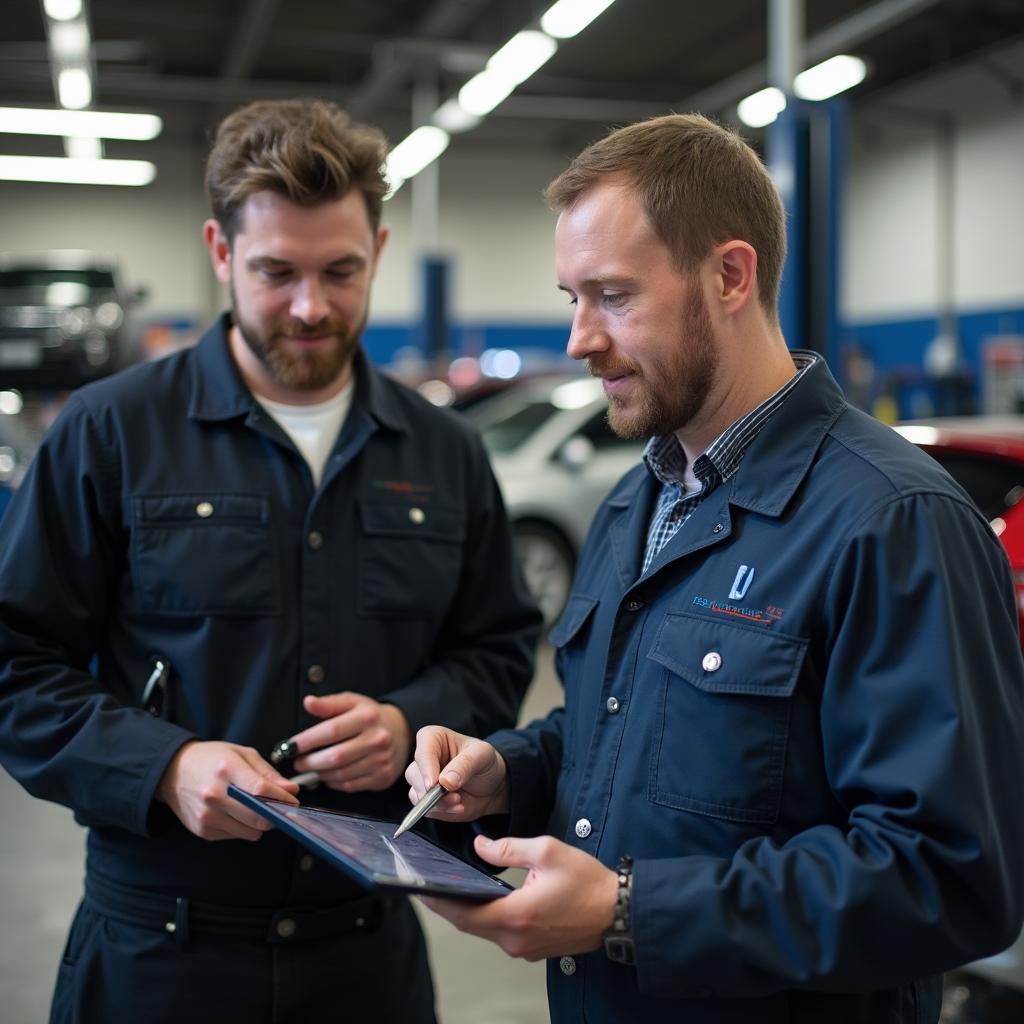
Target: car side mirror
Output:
{"points": [[576, 453]]}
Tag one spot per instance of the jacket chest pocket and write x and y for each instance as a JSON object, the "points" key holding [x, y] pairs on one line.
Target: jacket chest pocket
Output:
{"points": [[724, 702], [204, 554], [409, 558]]}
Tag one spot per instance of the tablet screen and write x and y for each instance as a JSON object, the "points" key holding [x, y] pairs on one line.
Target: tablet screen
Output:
{"points": [[365, 847]]}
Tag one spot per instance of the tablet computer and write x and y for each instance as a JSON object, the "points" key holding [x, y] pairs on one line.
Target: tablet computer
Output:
{"points": [[364, 848]]}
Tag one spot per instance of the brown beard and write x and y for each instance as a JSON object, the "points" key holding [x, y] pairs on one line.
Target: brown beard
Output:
{"points": [[302, 371], [673, 391]]}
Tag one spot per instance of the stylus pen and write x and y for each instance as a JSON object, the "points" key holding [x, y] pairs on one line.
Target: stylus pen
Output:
{"points": [[424, 804], [305, 778]]}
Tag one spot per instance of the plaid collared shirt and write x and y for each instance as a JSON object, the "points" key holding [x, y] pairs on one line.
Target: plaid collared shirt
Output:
{"points": [[665, 459]]}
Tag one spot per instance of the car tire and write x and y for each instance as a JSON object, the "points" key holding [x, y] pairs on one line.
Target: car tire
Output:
{"points": [[548, 563]]}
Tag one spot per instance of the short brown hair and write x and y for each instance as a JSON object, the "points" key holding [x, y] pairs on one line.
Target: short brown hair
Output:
{"points": [[698, 182], [307, 150]]}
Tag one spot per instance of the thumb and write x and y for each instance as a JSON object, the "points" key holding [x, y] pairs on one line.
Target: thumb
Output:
{"points": [[265, 772], [330, 704], [507, 852], [474, 759]]}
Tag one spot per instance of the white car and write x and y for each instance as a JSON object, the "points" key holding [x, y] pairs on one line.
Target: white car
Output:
{"points": [[556, 458]]}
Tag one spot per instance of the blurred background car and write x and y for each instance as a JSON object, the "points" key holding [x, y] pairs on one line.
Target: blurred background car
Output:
{"points": [[65, 319], [555, 457]]}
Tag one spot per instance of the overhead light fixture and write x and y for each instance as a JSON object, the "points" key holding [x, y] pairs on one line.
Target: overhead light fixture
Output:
{"points": [[74, 88], [96, 123], [413, 153], [83, 147], [63, 10], [454, 118], [567, 18], [523, 55], [76, 172], [70, 41], [762, 107], [822, 82], [519, 58], [830, 77]]}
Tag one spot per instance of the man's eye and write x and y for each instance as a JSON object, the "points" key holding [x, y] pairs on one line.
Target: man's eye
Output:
{"points": [[274, 275], [341, 275], [614, 299]]}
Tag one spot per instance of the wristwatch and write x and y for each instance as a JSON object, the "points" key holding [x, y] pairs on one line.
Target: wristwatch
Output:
{"points": [[618, 940]]}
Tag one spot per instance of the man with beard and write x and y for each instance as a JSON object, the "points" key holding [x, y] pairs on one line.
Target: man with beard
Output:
{"points": [[784, 785], [257, 540]]}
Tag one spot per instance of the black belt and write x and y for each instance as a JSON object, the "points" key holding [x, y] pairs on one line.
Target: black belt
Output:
{"points": [[181, 915]]}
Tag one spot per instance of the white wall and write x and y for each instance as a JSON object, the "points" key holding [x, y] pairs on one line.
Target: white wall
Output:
{"points": [[889, 248]]}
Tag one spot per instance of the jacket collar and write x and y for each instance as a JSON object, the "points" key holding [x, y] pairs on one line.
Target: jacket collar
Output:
{"points": [[781, 455], [218, 392]]}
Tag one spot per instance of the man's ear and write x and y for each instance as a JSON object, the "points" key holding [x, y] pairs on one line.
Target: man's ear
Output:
{"points": [[219, 247], [735, 265], [383, 234]]}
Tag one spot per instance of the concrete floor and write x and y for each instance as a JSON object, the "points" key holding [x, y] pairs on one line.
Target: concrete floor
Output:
{"points": [[41, 865]]}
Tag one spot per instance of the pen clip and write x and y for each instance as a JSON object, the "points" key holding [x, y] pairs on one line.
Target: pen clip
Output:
{"points": [[153, 691]]}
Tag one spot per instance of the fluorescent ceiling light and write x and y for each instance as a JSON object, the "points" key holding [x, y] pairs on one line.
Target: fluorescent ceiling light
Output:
{"points": [[74, 88], [522, 55], [835, 75], [69, 41], [83, 147], [483, 92], [62, 10], [762, 108], [569, 17], [76, 172], [96, 123], [454, 118], [415, 151]]}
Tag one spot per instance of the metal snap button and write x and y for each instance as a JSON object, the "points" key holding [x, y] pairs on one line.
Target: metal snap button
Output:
{"points": [[712, 661], [417, 515], [567, 965], [583, 828], [316, 674], [315, 540], [612, 705], [634, 606], [204, 510], [285, 928]]}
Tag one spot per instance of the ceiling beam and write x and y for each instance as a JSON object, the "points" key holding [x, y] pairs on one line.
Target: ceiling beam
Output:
{"points": [[249, 40]]}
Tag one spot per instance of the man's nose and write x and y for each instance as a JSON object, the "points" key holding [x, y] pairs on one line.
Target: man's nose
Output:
{"points": [[587, 335], [309, 301]]}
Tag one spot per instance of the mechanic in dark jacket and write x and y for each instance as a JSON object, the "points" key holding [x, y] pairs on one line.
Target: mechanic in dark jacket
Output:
{"points": [[785, 784], [284, 544]]}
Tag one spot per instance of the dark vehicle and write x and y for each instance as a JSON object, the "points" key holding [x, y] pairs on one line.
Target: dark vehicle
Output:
{"points": [[64, 320]]}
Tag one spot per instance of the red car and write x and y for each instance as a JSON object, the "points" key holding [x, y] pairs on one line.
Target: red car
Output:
{"points": [[985, 455]]}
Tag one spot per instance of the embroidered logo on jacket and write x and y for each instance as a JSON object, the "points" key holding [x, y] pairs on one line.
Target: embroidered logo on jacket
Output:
{"points": [[740, 585]]}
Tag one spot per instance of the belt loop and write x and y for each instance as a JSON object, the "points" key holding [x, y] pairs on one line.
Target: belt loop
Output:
{"points": [[179, 926]]}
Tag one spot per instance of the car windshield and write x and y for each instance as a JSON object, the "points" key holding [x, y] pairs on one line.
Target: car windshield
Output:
{"points": [[505, 426], [56, 287]]}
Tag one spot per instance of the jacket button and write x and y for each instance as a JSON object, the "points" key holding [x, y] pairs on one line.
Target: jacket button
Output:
{"points": [[316, 674], [315, 540], [712, 661], [583, 828], [612, 705], [717, 528], [417, 515], [567, 965], [634, 606], [306, 862], [285, 928], [204, 510]]}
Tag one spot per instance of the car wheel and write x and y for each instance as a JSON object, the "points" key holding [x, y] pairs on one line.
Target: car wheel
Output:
{"points": [[548, 562]]}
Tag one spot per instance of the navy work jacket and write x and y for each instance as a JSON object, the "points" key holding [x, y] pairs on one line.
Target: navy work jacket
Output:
{"points": [[166, 515], [804, 722]]}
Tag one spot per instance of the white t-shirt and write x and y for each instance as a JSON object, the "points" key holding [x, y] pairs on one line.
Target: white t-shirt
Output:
{"points": [[313, 428]]}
